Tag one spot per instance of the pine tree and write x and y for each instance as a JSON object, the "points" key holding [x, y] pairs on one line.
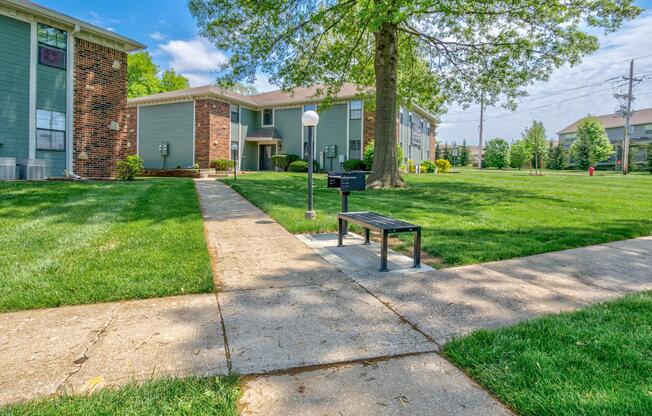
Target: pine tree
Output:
{"points": [[592, 144], [446, 153], [465, 155], [437, 152], [557, 158]]}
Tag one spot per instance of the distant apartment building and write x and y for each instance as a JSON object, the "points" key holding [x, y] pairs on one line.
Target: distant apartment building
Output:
{"points": [[614, 124]]}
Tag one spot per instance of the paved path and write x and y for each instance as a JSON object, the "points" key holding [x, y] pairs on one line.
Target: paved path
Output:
{"points": [[310, 339]]}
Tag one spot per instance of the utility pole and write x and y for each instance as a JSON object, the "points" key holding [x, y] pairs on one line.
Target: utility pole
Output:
{"points": [[481, 132], [627, 114]]}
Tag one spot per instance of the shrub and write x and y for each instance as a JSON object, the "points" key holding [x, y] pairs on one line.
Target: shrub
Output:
{"points": [[283, 162], [129, 168], [221, 164], [428, 166], [412, 168], [443, 165], [354, 164], [298, 166], [195, 166], [368, 156]]}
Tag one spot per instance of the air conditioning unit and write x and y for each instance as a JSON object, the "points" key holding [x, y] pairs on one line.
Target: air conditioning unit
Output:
{"points": [[7, 168], [32, 169]]}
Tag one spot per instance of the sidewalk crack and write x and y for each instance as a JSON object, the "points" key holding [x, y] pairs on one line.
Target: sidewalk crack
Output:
{"points": [[79, 362]]}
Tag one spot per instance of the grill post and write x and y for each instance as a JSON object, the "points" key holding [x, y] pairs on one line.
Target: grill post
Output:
{"points": [[345, 208], [383, 252]]}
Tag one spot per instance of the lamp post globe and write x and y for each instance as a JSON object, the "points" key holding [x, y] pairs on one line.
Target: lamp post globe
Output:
{"points": [[310, 119], [234, 153]]}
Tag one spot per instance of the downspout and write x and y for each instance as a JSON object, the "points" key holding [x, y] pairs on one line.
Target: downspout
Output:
{"points": [[71, 100]]}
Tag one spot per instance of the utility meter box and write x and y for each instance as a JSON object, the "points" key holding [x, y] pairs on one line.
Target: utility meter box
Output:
{"points": [[331, 151], [164, 149]]}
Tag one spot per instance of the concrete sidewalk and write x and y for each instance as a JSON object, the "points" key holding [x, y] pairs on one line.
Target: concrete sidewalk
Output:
{"points": [[309, 338]]}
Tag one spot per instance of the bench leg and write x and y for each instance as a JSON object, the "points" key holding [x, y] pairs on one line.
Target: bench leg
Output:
{"points": [[366, 236], [340, 229], [383, 253], [417, 249]]}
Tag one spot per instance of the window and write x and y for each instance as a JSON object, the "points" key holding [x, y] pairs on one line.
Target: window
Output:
{"points": [[401, 116], [640, 154], [648, 129], [268, 117], [235, 113], [355, 109], [309, 107], [50, 130], [354, 145], [52, 46]]}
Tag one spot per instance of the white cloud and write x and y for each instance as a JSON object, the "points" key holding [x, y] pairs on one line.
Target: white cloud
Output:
{"points": [[200, 79], [262, 83], [560, 110], [194, 55], [158, 36]]}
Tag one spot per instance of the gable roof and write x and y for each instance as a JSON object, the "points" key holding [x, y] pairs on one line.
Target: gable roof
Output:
{"points": [[610, 121], [278, 98], [93, 32]]}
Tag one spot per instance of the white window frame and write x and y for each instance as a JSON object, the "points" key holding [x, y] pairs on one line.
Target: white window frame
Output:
{"points": [[262, 117], [351, 109]]}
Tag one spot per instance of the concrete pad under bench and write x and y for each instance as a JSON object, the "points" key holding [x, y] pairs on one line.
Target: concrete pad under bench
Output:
{"points": [[424, 384], [277, 329], [360, 261], [454, 302]]}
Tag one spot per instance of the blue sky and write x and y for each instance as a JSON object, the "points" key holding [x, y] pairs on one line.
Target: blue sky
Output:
{"points": [[170, 33]]}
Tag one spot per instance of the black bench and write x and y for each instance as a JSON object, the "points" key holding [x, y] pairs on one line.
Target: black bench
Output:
{"points": [[385, 226]]}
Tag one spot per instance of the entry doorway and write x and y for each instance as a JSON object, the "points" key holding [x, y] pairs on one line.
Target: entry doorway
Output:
{"points": [[265, 157]]}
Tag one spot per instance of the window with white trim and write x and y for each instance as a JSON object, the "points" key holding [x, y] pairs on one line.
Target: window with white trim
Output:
{"points": [[268, 117], [50, 130], [235, 113], [648, 129], [52, 45], [309, 107], [355, 110]]}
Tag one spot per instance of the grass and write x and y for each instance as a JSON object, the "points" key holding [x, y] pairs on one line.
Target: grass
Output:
{"points": [[471, 217], [192, 396], [597, 361], [66, 243]]}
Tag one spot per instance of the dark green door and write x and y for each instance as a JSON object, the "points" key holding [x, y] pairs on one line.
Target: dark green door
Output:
{"points": [[266, 157]]}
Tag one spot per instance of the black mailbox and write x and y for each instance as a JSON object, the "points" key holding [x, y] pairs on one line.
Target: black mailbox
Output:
{"points": [[347, 181]]}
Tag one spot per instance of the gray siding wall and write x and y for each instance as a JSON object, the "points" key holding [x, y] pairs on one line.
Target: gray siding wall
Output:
{"points": [[331, 130], [414, 153], [355, 134], [51, 94], [288, 125], [248, 123], [171, 123], [14, 88]]}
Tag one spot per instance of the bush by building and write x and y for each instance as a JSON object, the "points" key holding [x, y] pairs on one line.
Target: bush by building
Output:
{"points": [[354, 164], [443, 166], [129, 168], [283, 162], [298, 166]]}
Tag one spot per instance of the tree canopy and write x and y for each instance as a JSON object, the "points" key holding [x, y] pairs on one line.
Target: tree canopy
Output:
{"points": [[534, 138], [592, 143], [496, 154], [144, 77], [412, 51]]}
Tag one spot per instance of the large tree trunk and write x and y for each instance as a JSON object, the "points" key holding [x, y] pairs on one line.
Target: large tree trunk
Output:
{"points": [[385, 167]]}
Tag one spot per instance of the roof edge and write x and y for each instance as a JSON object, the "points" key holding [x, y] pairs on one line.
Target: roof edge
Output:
{"points": [[33, 9]]}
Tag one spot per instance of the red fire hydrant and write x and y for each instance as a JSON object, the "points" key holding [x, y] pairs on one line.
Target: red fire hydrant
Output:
{"points": [[591, 170]]}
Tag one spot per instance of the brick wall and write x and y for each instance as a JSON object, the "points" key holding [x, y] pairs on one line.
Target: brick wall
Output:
{"points": [[369, 127], [212, 131], [100, 97], [432, 141], [132, 130]]}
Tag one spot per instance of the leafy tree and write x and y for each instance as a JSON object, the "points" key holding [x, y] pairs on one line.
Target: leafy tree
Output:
{"points": [[592, 144], [465, 155], [414, 51], [244, 89], [519, 154], [497, 153], [556, 157], [446, 153], [143, 77], [437, 152], [535, 139], [171, 81]]}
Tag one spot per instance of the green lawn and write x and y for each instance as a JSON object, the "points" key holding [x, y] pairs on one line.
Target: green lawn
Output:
{"points": [[597, 361], [67, 243], [192, 396], [472, 216]]}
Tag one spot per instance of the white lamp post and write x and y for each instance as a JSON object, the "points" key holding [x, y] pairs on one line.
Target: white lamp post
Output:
{"points": [[234, 152], [310, 119]]}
